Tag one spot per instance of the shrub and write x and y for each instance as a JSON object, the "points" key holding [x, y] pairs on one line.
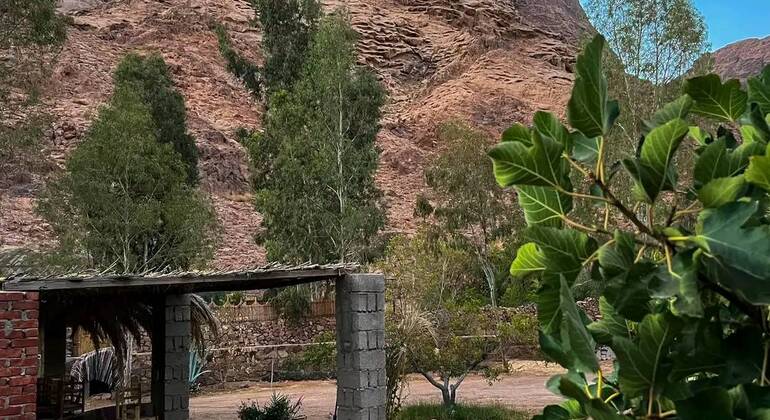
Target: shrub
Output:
{"points": [[685, 275], [280, 407], [459, 412], [292, 303], [149, 78], [238, 65]]}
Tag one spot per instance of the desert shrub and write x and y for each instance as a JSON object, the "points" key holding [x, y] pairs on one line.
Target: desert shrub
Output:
{"points": [[684, 268], [292, 303], [280, 407], [459, 412]]}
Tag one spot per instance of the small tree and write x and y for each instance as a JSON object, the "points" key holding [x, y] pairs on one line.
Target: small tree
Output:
{"points": [[468, 204], [124, 201], [685, 296], [314, 164], [148, 77]]}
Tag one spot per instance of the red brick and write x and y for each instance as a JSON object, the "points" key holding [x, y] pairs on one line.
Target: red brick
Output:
{"points": [[24, 362], [9, 372], [29, 408], [22, 380], [11, 335], [24, 342], [25, 304], [10, 296], [31, 351], [31, 370], [10, 411], [28, 389], [31, 314], [30, 332], [10, 353], [22, 399], [10, 315], [25, 324], [4, 344], [10, 390], [33, 295], [3, 402]]}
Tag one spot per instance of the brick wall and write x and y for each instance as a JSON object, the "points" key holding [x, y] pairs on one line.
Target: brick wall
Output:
{"points": [[18, 355]]}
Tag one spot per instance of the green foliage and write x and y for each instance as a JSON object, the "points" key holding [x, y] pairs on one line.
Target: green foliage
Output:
{"points": [[292, 303], [280, 407], [149, 78], [238, 65], [318, 360], [196, 368], [124, 201], [459, 412], [683, 297], [469, 208], [288, 31], [31, 34], [314, 164]]}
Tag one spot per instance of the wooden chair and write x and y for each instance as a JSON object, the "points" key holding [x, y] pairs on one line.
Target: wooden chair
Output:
{"points": [[128, 401], [59, 398]]}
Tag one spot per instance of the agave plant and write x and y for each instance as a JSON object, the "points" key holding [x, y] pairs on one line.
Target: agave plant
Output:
{"points": [[684, 269], [197, 364]]}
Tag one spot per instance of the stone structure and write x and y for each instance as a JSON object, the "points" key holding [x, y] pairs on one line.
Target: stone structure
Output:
{"points": [[170, 373], [361, 379], [18, 355]]}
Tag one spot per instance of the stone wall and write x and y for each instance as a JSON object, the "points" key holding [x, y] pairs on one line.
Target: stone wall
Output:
{"points": [[18, 355]]}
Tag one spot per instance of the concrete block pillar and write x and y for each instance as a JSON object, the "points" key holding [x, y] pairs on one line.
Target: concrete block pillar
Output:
{"points": [[170, 352], [361, 380]]}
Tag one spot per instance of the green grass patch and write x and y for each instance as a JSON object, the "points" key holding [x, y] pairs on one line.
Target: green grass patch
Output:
{"points": [[460, 412]]}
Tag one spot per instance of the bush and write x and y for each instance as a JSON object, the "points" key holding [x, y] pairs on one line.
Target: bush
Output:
{"points": [[316, 361], [459, 412], [684, 269], [280, 407], [292, 303]]}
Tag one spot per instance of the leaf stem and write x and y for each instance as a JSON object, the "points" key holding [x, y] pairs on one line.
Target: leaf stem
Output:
{"points": [[599, 380], [612, 397]]}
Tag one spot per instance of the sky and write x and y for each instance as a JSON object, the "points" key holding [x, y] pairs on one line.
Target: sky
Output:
{"points": [[733, 20]]}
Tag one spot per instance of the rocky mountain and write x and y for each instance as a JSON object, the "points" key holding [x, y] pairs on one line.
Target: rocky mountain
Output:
{"points": [[742, 59], [487, 62]]}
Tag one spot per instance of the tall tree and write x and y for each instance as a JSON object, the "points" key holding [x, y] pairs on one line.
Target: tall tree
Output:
{"points": [[31, 33], [654, 43], [149, 77], [287, 31], [124, 201], [469, 206], [314, 164]]}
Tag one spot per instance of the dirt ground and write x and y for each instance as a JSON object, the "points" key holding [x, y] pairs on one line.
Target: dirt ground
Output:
{"points": [[525, 391]]}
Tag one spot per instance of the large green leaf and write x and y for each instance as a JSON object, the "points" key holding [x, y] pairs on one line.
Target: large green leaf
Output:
{"points": [[711, 403], [617, 256], [653, 170], [548, 302], [720, 191], [529, 260], [642, 362], [753, 402], [543, 205], [758, 172], [564, 250], [575, 337], [541, 164], [518, 133], [699, 349], [555, 412], [611, 324], [717, 161], [759, 90], [677, 109], [551, 347], [584, 149], [549, 126], [629, 293], [589, 109], [724, 102], [739, 248], [680, 285]]}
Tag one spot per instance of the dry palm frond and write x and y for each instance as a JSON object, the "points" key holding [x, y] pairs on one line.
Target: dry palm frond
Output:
{"points": [[416, 322], [202, 317], [99, 365]]}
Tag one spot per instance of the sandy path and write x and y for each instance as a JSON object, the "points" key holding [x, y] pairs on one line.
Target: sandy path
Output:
{"points": [[526, 392]]}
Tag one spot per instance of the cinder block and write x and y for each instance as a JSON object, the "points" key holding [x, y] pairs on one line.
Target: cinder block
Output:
{"points": [[366, 282]]}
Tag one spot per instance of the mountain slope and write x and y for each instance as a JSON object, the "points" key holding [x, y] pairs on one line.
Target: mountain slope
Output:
{"points": [[742, 59], [487, 62]]}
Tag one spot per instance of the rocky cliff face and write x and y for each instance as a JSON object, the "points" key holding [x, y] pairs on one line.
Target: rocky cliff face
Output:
{"points": [[487, 62], [742, 59]]}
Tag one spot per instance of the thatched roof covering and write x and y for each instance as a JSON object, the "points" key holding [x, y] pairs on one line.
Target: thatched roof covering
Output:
{"points": [[269, 276]]}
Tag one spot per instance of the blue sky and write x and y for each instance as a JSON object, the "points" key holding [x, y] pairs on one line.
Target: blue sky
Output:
{"points": [[732, 20]]}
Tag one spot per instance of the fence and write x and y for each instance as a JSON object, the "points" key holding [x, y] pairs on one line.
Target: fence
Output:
{"points": [[258, 312]]}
